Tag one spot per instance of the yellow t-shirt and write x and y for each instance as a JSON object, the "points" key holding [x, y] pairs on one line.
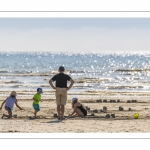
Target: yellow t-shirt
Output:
{"points": [[37, 97]]}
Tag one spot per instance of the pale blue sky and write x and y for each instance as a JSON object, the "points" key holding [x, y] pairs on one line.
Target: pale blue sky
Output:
{"points": [[69, 23], [75, 34]]}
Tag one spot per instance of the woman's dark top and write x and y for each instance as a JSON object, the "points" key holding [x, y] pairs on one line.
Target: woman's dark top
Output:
{"points": [[83, 110]]}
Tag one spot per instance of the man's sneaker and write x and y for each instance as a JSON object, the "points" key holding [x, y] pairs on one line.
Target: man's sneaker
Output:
{"points": [[63, 118], [59, 119]]}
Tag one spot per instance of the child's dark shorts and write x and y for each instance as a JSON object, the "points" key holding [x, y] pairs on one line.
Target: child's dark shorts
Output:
{"points": [[8, 109]]}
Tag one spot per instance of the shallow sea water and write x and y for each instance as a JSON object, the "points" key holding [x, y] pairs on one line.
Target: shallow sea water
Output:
{"points": [[104, 72]]}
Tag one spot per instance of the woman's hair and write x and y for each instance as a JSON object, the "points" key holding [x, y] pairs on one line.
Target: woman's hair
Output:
{"points": [[73, 102]]}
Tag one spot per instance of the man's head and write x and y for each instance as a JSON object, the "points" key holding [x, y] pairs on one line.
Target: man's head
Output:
{"points": [[61, 69]]}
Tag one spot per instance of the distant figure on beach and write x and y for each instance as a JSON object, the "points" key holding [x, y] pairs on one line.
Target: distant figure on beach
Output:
{"points": [[36, 99], [78, 108], [61, 90], [9, 104]]}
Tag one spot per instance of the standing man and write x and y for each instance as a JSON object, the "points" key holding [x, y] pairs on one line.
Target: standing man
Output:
{"points": [[61, 90]]}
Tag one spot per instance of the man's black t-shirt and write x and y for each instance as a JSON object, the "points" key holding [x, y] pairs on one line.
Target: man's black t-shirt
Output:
{"points": [[61, 80]]}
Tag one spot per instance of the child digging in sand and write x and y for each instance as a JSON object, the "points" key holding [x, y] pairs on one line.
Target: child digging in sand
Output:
{"points": [[78, 108], [9, 104], [37, 98]]}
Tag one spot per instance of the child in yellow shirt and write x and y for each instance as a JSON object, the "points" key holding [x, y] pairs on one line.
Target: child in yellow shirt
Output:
{"points": [[36, 99]]}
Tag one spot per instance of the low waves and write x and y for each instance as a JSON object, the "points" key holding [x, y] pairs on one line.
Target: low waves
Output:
{"points": [[132, 70], [27, 71]]}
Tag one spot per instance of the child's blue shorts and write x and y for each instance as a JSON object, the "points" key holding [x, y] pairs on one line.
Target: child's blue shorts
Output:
{"points": [[36, 106], [8, 109]]}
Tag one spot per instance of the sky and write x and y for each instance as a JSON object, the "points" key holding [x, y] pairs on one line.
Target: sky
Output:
{"points": [[75, 34]]}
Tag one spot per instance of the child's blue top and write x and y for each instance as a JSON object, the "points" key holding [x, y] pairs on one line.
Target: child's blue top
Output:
{"points": [[10, 102]]}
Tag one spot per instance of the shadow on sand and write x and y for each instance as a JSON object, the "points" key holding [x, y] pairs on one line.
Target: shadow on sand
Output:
{"points": [[53, 121]]}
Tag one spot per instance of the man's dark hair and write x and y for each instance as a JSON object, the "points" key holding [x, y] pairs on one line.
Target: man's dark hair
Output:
{"points": [[61, 68]]}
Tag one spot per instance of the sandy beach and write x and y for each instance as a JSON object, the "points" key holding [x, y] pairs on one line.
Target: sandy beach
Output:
{"points": [[96, 120]]}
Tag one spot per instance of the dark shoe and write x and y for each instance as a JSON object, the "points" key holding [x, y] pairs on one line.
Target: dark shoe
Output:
{"points": [[2, 116], [63, 118], [59, 119]]}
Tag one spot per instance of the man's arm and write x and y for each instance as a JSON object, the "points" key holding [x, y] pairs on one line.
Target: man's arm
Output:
{"points": [[2, 104], [51, 84], [72, 82]]}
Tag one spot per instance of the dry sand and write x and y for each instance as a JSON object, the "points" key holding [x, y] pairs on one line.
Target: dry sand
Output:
{"points": [[47, 123]]}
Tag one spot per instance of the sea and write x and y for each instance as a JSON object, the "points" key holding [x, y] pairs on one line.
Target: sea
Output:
{"points": [[26, 71]]}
